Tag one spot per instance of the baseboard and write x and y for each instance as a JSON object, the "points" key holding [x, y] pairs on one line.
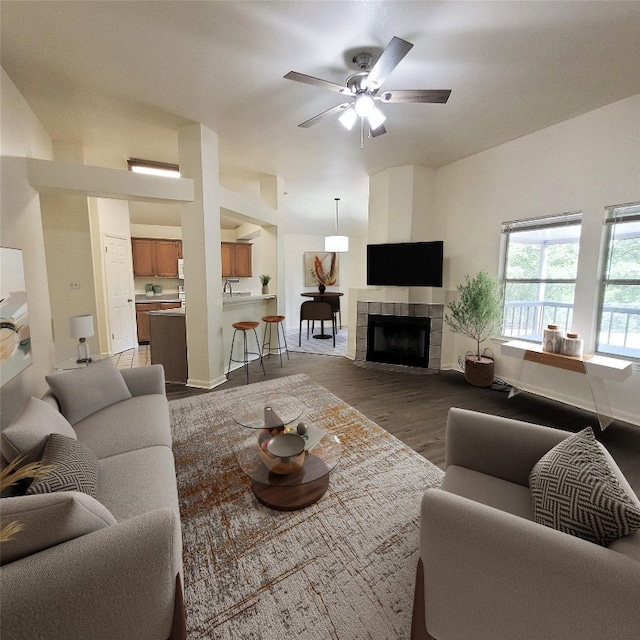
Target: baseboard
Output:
{"points": [[572, 401], [206, 384]]}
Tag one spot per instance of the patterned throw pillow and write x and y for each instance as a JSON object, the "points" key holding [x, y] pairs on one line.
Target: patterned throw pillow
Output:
{"points": [[574, 490], [75, 467]]}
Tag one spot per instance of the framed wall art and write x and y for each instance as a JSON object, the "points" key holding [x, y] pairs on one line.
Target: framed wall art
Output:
{"points": [[320, 268], [15, 338]]}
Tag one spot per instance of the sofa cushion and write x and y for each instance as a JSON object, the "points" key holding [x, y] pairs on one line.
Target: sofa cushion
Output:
{"points": [[48, 520], [84, 391], [29, 431], [574, 489], [74, 467], [136, 423], [489, 490], [139, 481]]}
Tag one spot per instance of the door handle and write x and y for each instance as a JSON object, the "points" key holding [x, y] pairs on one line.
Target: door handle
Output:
{"points": [[129, 300]]}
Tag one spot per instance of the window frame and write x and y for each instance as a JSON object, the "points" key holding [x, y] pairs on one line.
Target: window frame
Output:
{"points": [[568, 218], [616, 214]]}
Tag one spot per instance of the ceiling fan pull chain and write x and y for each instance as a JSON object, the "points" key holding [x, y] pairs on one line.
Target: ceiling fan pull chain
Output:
{"points": [[362, 133]]}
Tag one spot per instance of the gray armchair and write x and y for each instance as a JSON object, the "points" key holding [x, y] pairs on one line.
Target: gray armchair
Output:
{"points": [[488, 571]]}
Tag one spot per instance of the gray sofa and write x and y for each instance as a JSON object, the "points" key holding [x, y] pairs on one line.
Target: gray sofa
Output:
{"points": [[110, 566], [489, 570]]}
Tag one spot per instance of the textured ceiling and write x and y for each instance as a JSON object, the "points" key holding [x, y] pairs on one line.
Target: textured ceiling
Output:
{"points": [[121, 77]]}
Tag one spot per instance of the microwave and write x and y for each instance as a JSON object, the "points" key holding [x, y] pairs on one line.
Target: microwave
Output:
{"points": [[181, 268]]}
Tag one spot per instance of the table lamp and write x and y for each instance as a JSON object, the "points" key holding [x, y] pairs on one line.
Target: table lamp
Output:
{"points": [[82, 327]]}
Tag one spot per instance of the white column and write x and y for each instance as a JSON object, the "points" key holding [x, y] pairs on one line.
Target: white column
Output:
{"points": [[198, 156]]}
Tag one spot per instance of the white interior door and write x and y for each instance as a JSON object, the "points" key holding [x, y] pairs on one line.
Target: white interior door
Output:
{"points": [[120, 293]]}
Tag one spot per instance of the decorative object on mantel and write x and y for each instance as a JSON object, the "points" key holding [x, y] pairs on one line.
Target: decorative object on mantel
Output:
{"points": [[552, 339], [320, 268], [337, 242], [478, 315], [264, 281]]}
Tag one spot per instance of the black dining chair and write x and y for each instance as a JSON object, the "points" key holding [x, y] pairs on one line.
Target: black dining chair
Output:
{"points": [[335, 305], [317, 310]]}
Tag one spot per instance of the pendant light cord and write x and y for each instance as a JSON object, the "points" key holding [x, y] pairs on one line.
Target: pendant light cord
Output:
{"points": [[337, 200]]}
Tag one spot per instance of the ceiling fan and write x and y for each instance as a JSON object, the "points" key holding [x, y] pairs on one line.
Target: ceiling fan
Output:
{"points": [[362, 90]]}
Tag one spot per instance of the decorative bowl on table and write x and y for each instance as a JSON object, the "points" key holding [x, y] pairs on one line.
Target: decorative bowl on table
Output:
{"points": [[283, 453]]}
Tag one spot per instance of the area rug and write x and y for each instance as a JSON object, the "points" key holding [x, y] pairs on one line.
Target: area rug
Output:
{"points": [[342, 568], [313, 345]]}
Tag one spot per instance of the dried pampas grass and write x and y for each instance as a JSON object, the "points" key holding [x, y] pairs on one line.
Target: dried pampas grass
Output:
{"points": [[13, 473]]}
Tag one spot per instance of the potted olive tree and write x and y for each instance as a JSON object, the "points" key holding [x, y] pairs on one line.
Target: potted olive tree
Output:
{"points": [[477, 314]]}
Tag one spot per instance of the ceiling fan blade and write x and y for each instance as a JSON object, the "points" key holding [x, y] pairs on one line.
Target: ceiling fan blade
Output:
{"points": [[387, 62], [317, 82], [416, 95], [378, 131], [308, 123]]}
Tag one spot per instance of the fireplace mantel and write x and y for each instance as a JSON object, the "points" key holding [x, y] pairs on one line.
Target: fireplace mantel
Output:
{"points": [[407, 309]]}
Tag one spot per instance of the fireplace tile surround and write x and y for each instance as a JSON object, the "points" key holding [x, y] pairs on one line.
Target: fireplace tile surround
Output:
{"points": [[406, 309]]}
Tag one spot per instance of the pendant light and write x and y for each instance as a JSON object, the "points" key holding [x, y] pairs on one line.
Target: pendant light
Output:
{"points": [[337, 243]]}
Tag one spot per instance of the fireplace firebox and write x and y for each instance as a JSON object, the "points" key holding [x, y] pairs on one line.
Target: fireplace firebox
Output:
{"points": [[398, 340]]}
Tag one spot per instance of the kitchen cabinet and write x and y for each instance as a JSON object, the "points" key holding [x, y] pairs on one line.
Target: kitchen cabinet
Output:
{"points": [[142, 319], [236, 260], [156, 258]]}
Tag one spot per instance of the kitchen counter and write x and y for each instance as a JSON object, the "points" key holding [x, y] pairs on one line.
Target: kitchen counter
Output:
{"points": [[238, 301], [165, 297], [167, 312], [168, 331], [227, 303]]}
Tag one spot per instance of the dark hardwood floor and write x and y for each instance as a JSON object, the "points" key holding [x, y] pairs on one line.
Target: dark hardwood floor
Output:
{"points": [[414, 407]]}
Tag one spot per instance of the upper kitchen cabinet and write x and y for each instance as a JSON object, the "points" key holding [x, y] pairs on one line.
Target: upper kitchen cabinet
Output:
{"points": [[236, 260], [158, 258]]}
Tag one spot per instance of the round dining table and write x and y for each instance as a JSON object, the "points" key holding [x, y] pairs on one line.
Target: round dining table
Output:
{"points": [[316, 295]]}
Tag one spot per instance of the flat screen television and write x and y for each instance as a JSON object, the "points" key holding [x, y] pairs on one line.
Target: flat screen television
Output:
{"points": [[405, 264]]}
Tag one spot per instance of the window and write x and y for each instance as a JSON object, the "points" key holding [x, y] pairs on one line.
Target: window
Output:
{"points": [[619, 307], [539, 270]]}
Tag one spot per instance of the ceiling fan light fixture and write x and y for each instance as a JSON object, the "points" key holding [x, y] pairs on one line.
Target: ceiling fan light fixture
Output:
{"points": [[364, 105], [376, 118], [348, 118]]}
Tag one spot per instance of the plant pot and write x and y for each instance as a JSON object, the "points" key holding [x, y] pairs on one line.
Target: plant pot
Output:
{"points": [[265, 289], [479, 373]]}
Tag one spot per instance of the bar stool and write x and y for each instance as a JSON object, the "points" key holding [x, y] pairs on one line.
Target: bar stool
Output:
{"points": [[267, 347], [244, 327]]}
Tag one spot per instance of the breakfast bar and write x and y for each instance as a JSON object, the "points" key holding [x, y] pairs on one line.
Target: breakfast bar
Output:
{"points": [[168, 334]]}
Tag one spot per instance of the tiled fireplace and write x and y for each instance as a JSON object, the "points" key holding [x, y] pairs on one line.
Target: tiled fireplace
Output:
{"points": [[399, 335]]}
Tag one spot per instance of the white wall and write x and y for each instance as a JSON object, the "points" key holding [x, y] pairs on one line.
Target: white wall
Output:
{"points": [[21, 136], [583, 164]]}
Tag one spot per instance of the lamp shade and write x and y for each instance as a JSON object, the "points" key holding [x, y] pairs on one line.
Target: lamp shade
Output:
{"points": [[81, 326], [348, 118], [336, 244]]}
